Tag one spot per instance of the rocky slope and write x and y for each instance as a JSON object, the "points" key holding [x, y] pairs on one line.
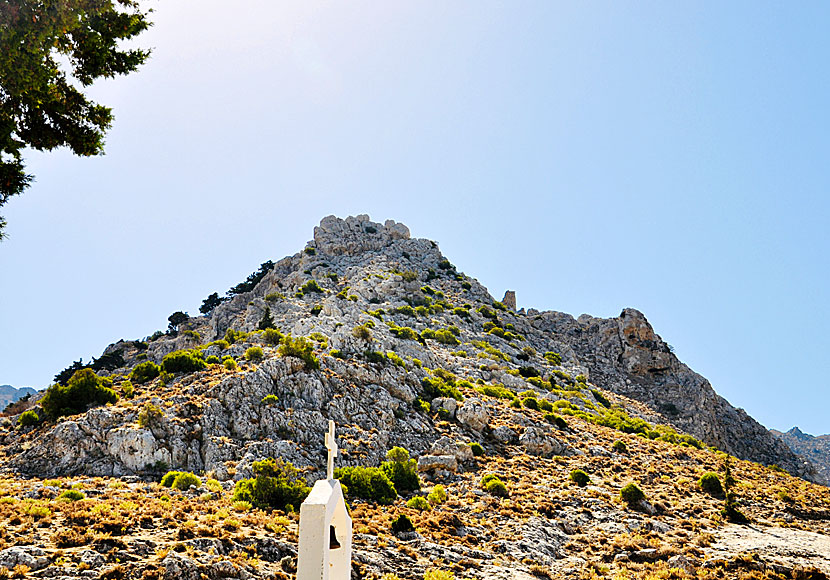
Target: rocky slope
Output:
{"points": [[400, 349], [9, 394], [815, 449]]}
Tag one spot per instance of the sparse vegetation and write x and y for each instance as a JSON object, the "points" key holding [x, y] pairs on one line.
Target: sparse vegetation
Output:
{"points": [[300, 348]]}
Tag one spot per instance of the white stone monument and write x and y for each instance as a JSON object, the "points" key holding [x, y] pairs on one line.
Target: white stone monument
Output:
{"points": [[325, 551]]}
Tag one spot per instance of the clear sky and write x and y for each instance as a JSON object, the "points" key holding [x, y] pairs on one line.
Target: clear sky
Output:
{"points": [[671, 157]]}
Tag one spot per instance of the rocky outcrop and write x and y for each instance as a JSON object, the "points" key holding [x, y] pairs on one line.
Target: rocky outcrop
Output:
{"points": [[626, 356], [816, 449]]}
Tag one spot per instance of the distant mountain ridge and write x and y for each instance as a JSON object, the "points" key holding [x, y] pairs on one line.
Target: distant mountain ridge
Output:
{"points": [[815, 449], [10, 394]]}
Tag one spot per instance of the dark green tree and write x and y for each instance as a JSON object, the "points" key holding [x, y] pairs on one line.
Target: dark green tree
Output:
{"points": [[267, 321], [175, 320], [210, 303], [49, 51]]}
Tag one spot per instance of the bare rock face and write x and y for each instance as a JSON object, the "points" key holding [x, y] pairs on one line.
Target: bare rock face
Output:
{"points": [[537, 442], [473, 414], [626, 356], [816, 449], [354, 235], [509, 300]]}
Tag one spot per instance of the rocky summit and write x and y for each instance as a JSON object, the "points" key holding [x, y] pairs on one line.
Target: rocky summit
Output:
{"points": [[814, 449], [476, 441]]}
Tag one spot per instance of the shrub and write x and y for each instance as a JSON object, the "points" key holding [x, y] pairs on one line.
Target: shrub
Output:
{"points": [[269, 400], [362, 332], [710, 483], [553, 358], [401, 470], [311, 286], [435, 574], [144, 372], [477, 449], [619, 446], [580, 478], [272, 297], [545, 405], [438, 387], [72, 495], [445, 336], [493, 485], [229, 363], [272, 336], [438, 495], [405, 333], [267, 321], [369, 483], [406, 310], [556, 420], [528, 371], [149, 414], [254, 354], [28, 418], [530, 403], [631, 494], [419, 503], [181, 480], [337, 354], [374, 357], [233, 336], [221, 343], [277, 485], [601, 399], [300, 348], [402, 525], [498, 391], [409, 276], [396, 360], [213, 360], [183, 361], [85, 388], [316, 309]]}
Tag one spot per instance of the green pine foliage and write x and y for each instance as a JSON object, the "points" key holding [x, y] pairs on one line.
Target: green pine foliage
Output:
{"points": [[183, 361], [277, 485], [84, 389], [144, 372]]}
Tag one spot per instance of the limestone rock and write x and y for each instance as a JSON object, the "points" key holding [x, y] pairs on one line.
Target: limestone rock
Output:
{"points": [[473, 414], [431, 462], [537, 442]]}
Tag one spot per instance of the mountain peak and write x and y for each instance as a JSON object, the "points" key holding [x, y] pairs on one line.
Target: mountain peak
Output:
{"points": [[355, 234]]}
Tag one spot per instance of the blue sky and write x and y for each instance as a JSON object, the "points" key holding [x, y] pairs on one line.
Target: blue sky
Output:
{"points": [[670, 157]]}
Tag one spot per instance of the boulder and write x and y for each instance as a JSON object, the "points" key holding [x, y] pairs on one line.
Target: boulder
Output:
{"points": [[473, 414], [537, 442], [431, 462]]}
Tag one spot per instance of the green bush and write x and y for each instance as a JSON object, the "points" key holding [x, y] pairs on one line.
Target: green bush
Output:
{"points": [[555, 419], [337, 354], [601, 399], [580, 478], [498, 391], [254, 354], [229, 363], [72, 495], [396, 360], [438, 387], [374, 357], [149, 414], [438, 495], [619, 446], [183, 361], [632, 495], [277, 485], [269, 400], [418, 503], [300, 348], [409, 276], [530, 403], [436, 574], [477, 449], [181, 480], [710, 483], [28, 418], [493, 485], [369, 483], [401, 470], [445, 336], [144, 372], [311, 286], [402, 525], [272, 336], [213, 360], [553, 358], [83, 389], [405, 333]]}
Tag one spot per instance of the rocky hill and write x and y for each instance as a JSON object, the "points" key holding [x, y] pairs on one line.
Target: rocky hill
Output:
{"points": [[815, 449], [9, 394], [379, 332]]}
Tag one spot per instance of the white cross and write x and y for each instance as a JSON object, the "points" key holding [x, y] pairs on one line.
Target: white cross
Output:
{"points": [[331, 445]]}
